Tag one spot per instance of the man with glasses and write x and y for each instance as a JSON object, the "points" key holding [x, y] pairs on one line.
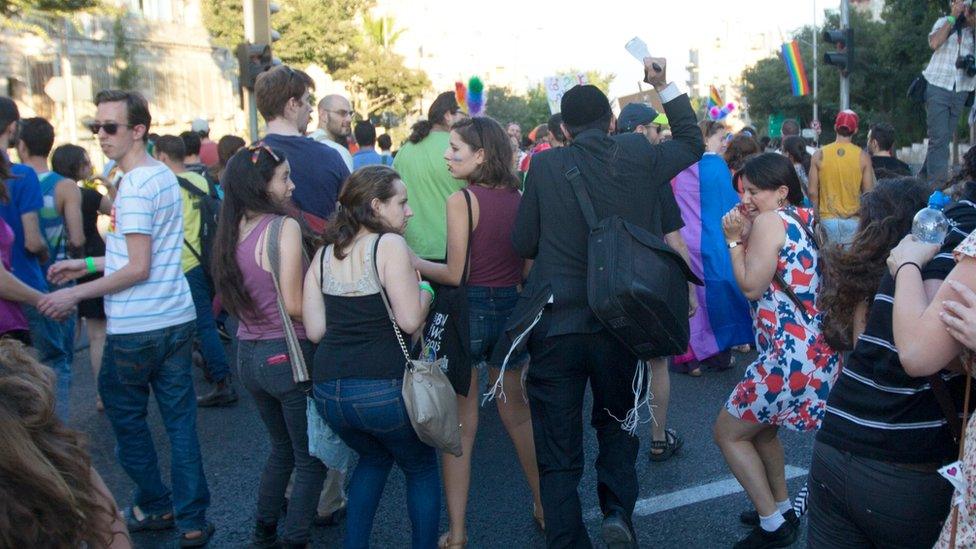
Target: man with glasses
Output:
{"points": [[284, 100], [150, 325], [335, 125]]}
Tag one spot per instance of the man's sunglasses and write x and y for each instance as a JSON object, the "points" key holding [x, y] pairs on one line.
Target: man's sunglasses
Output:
{"points": [[111, 128]]}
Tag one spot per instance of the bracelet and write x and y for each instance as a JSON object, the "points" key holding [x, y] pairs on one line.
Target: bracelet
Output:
{"points": [[951, 19], [90, 264], [426, 287], [734, 244], [900, 267]]}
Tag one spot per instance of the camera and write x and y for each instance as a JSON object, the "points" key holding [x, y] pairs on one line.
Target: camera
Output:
{"points": [[967, 63]]}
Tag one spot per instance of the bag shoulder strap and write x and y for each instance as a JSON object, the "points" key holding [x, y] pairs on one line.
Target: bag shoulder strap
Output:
{"points": [[944, 398], [190, 187], [806, 228], [573, 175], [272, 237], [467, 247], [788, 290], [386, 303]]}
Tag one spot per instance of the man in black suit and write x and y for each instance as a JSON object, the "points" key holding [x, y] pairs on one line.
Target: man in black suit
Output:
{"points": [[624, 175]]}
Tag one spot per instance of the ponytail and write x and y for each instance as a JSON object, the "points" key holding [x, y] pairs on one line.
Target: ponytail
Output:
{"points": [[419, 131]]}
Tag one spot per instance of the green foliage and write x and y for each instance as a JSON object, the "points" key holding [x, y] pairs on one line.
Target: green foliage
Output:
{"points": [[127, 73], [24, 9], [379, 81], [887, 56], [312, 31], [528, 110]]}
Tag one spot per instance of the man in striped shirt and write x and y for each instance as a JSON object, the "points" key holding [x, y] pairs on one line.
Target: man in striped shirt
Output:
{"points": [[150, 324]]}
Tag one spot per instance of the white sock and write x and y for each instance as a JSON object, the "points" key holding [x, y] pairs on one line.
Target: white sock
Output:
{"points": [[772, 522], [784, 505]]}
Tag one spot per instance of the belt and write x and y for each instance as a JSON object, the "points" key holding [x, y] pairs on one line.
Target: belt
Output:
{"points": [[918, 467]]}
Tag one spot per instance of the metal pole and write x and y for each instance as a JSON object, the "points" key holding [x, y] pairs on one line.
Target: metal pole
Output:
{"points": [[845, 91], [816, 63], [69, 91], [257, 30]]}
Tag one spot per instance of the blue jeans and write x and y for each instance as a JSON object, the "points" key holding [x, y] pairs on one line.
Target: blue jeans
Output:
{"points": [[488, 311], [840, 231], [158, 359], [942, 109], [369, 416], [54, 342], [210, 345], [265, 371]]}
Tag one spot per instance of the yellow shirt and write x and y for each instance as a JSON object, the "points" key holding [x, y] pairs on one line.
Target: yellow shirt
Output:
{"points": [[840, 181], [191, 220]]}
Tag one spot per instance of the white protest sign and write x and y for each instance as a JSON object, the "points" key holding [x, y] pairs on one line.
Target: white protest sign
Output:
{"points": [[556, 86]]}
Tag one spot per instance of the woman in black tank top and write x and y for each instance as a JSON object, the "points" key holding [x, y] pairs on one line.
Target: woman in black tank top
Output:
{"points": [[358, 372]]}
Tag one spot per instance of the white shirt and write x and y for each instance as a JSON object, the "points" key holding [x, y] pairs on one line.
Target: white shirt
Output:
{"points": [[148, 202], [322, 136], [941, 70]]}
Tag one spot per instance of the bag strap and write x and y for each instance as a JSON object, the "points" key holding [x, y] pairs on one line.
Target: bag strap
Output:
{"points": [[467, 247], [573, 175], [272, 236], [190, 187], [810, 233], [948, 407], [781, 282], [389, 309]]}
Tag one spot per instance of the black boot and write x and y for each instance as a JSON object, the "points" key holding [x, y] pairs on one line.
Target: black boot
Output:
{"points": [[223, 394], [265, 535]]}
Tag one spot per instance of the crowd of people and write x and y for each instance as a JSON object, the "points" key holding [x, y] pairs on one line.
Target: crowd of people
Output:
{"points": [[328, 261]]}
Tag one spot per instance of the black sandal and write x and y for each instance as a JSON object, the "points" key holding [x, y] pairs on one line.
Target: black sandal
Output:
{"points": [[205, 534], [671, 444]]}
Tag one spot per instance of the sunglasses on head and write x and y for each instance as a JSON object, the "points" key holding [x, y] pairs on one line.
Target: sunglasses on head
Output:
{"points": [[256, 152], [111, 128]]}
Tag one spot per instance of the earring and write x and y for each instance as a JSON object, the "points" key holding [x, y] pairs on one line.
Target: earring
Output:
{"points": [[781, 202]]}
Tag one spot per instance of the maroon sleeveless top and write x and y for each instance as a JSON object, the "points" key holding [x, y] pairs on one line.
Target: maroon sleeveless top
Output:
{"points": [[494, 262]]}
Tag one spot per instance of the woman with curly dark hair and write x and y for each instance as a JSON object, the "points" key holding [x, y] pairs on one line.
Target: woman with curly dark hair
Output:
{"points": [[50, 495], [739, 149], [852, 274]]}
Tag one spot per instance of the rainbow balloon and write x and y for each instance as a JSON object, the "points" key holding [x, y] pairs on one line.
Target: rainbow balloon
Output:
{"points": [[794, 66]]}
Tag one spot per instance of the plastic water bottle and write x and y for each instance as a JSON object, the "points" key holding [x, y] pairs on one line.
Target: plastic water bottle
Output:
{"points": [[930, 224]]}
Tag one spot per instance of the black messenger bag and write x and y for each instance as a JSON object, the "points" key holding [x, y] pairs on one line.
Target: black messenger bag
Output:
{"points": [[637, 286]]}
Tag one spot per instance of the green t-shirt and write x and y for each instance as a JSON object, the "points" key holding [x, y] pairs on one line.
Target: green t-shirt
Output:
{"points": [[191, 220], [424, 172]]}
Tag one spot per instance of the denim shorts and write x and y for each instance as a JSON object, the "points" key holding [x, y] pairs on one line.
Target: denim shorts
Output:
{"points": [[488, 311]]}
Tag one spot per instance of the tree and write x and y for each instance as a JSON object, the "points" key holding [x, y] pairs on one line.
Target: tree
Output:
{"points": [[312, 31], [127, 72], [42, 17], [379, 81], [528, 110]]}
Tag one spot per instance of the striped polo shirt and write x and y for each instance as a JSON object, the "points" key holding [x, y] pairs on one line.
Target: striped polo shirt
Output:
{"points": [[878, 411], [148, 202]]}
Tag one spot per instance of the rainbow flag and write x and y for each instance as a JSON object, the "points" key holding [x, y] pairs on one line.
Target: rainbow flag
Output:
{"points": [[794, 66], [714, 99]]}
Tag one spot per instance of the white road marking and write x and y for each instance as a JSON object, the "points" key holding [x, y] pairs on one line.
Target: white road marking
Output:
{"points": [[695, 494]]}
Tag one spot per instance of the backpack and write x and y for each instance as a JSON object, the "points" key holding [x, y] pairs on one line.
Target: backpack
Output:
{"points": [[637, 286], [209, 208]]}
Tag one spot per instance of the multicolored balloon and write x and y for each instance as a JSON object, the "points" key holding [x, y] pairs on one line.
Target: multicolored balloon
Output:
{"points": [[716, 113]]}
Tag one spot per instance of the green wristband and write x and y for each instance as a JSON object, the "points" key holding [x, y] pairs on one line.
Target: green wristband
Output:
{"points": [[90, 264], [951, 19], [426, 287]]}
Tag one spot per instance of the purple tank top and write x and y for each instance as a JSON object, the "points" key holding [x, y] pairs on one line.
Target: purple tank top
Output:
{"points": [[266, 322], [11, 317], [494, 262]]}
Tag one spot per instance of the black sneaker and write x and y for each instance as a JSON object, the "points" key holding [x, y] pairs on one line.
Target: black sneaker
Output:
{"points": [[265, 535], [223, 394], [332, 519], [617, 533], [784, 536], [751, 517]]}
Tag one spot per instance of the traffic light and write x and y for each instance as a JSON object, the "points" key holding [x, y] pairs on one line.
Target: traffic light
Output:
{"points": [[843, 58], [252, 60]]}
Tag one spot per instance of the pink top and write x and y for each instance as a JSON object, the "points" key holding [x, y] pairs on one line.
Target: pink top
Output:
{"points": [[494, 262], [266, 322], [11, 317]]}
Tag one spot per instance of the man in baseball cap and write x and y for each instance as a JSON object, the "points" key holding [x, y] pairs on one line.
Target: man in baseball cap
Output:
{"points": [[208, 149], [839, 173], [643, 119]]}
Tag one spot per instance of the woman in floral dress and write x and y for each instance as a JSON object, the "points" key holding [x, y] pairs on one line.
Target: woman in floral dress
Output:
{"points": [[769, 243]]}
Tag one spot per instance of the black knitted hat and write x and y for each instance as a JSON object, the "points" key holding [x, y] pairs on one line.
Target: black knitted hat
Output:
{"points": [[583, 104]]}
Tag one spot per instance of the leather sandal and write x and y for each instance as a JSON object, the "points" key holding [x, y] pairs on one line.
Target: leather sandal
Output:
{"points": [[671, 444]]}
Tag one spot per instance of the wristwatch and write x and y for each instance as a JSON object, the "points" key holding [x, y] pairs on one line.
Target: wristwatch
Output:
{"points": [[733, 244]]}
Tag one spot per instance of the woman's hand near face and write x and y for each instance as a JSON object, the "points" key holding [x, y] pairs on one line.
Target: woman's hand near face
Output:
{"points": [[733, 225]]}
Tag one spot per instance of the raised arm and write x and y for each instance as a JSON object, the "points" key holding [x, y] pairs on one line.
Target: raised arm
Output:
{"points": [[686, 146], [755, 265], [940, 33]]}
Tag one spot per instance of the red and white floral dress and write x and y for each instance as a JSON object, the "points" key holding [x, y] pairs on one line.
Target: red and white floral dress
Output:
{"points": [[966, 523], [789, 382]]}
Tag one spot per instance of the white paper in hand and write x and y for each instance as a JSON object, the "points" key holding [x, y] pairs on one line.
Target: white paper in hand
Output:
{"points": [[638, 49]]}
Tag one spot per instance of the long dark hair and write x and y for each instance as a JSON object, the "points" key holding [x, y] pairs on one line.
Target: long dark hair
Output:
{"points": [[796, 148], [226, 147], [851, 275], [770, 171], [67, 160], [48, 497], [245, 181], [355, 210], [446, 103], [487, 134]]}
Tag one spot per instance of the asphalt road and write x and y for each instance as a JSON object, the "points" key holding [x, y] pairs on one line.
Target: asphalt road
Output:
{"points": [[690, 501]]}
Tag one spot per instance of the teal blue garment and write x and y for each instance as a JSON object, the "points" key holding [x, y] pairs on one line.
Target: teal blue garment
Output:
{"points": [[51, 222]]}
